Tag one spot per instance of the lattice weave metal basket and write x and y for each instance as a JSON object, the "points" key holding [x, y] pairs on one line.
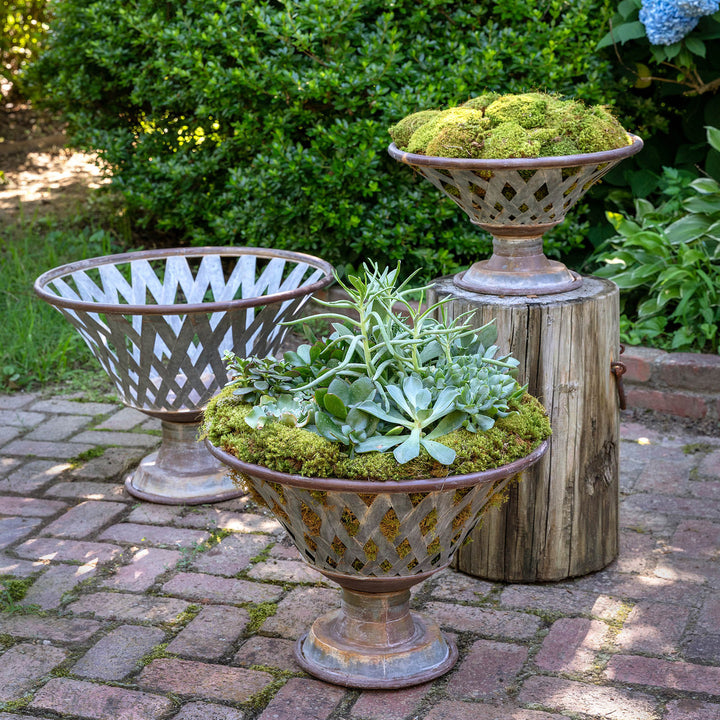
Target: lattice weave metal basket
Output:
{"points": [[380, 535], [517, 200], [159, 322]]}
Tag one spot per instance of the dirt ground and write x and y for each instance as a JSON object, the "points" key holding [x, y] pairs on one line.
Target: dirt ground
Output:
{"points": [[38, 170]]}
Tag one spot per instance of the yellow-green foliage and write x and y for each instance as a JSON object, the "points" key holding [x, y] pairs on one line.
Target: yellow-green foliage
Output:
{"points": [[491, 126], [301, 452]]}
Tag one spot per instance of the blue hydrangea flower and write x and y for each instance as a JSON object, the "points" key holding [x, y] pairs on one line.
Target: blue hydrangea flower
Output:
{"points": [[698, 8], [669, 21]]}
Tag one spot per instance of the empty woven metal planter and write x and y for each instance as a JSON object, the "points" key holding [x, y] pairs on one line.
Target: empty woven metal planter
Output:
{"points": [[159, 323], [517, 200], [376, 540]]}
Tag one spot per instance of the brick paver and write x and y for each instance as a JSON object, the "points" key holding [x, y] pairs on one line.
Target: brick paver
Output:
{"points": [[488, 670], [118, 653], [639, 640], [570, 696], [445, 710], [30, 507], [84, 519], [194, 679], [232, 555], [653, 628], [211, 633], [207, 588], [145, 566], [51, 588], [572, 645], [99, 702], [124, 606], [55, 629], [22, 665], [654, 672], [303, 699], [389, 704], [496, 623], [691, 710], [153, 535], [267, 651], [67, 550], [207, 711], [13, 529]]}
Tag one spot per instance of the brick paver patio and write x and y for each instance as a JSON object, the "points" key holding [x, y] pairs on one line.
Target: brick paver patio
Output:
{"points": [[145, 612]]}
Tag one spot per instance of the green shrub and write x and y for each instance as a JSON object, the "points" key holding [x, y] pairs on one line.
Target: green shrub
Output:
{"points": [[22, 30], [264, 122], [667, 263]]}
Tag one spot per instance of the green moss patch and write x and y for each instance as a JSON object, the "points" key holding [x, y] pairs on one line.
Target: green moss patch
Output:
{"points": [[524, 125], [299, 451]]}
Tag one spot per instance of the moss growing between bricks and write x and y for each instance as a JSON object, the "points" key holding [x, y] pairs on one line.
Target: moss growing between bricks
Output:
{"points": [[258, 614]]}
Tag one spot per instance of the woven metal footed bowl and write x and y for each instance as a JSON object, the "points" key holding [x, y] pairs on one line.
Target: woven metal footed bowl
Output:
{"points": [[159, 323], [376, 540], [517, 200]]}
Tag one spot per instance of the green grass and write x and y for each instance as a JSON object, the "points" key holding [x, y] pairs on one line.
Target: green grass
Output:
{"points": [[37, 345]]}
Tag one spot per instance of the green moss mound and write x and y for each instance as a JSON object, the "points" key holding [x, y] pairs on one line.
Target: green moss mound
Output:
{"points": [[301, 452], [492, 126]]}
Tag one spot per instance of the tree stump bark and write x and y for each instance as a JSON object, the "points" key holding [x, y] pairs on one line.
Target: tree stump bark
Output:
{"points": [[561, 519]]}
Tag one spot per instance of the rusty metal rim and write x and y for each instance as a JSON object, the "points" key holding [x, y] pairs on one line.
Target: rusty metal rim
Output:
{"points": [[373, 585], [553, 161], [356, 680], [180, 309], [373, 487], [188, 500]]}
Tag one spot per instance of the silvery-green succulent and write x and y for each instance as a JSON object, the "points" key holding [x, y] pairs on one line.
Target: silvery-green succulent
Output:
{"points": [[389, 376]]}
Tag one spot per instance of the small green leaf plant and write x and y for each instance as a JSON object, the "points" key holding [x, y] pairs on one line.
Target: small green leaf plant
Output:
{"points": [[666, 261], [392, 375]]}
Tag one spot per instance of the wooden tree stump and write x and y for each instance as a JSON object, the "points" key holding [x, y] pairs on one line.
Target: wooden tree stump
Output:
{"points": [[561, 519]]}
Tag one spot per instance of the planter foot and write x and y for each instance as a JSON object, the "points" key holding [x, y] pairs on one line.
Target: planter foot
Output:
{"points": [[181, 471], [375, 641]]}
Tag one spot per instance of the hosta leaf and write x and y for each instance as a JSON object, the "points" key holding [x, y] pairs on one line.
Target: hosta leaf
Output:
{"points": [[713, 136], [442, 453], [706, 186], [687, 228]]}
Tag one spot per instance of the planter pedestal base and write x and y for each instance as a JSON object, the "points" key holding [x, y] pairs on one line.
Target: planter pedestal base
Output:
{"points": [[375, 641], [181, 471]]}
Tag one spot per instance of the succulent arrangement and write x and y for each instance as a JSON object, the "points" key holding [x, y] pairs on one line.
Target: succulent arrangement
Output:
{"points": [[392, 376], [494, 126]]}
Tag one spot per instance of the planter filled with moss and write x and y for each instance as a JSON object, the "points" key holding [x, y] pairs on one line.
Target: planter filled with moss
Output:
{"points": [[515, 164], [378, 449]]}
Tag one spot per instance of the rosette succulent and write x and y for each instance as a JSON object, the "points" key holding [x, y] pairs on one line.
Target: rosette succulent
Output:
{"points": [[391, 376]]}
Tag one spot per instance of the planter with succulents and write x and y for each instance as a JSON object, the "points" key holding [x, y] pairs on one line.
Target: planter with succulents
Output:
{"points": [[378, 448], [515, 164]]}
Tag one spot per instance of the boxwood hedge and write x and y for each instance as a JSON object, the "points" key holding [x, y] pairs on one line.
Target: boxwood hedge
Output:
{"points": [[264, 122]]}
